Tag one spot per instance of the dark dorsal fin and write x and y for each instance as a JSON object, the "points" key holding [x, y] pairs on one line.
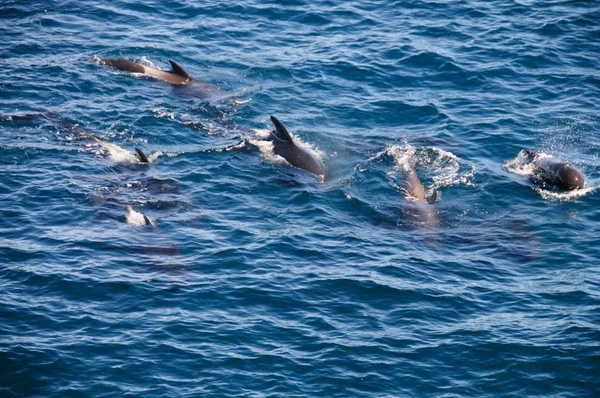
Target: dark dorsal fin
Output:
{"points": [[142, 156], [434, 198], [147, 221], [178, 70], [280, 131]]}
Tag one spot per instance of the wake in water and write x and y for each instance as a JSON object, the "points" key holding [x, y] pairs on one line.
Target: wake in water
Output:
{"points": [[277, 146], [71, 132]]}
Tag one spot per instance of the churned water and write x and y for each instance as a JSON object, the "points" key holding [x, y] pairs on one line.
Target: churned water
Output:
{"points": [[258, 279]]}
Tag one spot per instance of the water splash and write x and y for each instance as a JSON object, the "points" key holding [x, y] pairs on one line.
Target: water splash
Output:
{"points": [[441, 167]]}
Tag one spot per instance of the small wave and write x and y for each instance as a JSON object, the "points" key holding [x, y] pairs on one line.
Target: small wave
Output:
{"points": [[565, 195], [146, 62]]}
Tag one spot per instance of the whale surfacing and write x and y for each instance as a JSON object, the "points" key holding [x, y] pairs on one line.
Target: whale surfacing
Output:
{"points": [[419, 209], [415, 188], [550, 173], [177, 76], [284, 146]]}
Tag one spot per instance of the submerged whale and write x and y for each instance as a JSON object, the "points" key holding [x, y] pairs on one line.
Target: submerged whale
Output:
{"points": [[284, 146], [115, 152], [552, 173], [177, 76]]}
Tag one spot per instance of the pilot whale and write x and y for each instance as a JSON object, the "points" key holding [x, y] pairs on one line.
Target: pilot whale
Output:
{"points": [[115, 152], [177, 76], [551, 173], [421, 211], [284, 146], [415, 190], [118, 154]]}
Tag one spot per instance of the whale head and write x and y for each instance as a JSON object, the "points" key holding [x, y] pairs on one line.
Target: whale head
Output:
{"points": [[569, 178]]}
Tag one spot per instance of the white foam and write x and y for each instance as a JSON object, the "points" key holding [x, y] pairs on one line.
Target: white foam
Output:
{"points": [[262, 133], [146, 62], [565, 195], [241, 102], [134, 217], [266, 149], [162, 113], [118, 154], [444, 167], [316, 152], [522, 165], [152, 158], [235, 147], [404, 156]]}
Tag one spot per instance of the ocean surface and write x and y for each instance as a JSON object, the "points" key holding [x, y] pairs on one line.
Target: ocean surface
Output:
{"points": [[257, 279]]}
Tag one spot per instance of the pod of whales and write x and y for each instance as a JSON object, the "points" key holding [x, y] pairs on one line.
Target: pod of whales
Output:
{"points": [[283, 143], [177, 76], [551, 173], [547, 172], [114, 151]]}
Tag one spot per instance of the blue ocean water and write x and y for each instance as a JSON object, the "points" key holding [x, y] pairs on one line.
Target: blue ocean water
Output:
{"points": [[259, 279]]}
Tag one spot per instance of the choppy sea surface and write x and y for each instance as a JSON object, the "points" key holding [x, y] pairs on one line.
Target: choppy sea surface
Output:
{"points": [[257, 279]]}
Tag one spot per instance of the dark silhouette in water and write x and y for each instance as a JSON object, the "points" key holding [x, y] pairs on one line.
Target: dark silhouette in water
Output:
{"points": [[550, 173], [142, 156], [284, 146], [177, 76]]}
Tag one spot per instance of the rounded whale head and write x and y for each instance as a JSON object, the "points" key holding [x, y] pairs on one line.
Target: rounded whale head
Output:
{"points": [[569, 178]]}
